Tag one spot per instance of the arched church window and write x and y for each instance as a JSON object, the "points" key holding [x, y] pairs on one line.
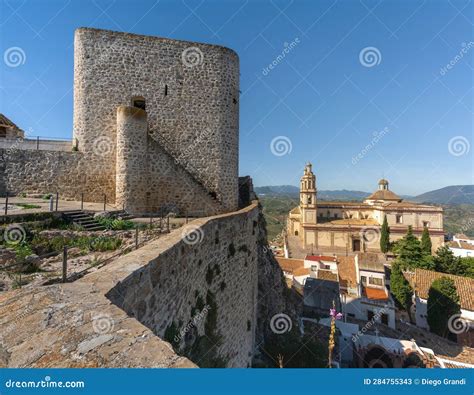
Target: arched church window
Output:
{"points": [[139, 102]]}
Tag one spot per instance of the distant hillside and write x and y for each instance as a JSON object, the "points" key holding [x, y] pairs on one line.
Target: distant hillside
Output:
{"points": [[277, 190], [291, 190], [343, 194], [455, 194]]}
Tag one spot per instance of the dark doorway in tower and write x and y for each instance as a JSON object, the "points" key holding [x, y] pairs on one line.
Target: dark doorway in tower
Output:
{"points": [[139, 102], [356, 245], [296, 233]]}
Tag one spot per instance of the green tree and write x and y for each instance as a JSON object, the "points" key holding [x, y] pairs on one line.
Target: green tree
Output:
{"points": [[400, 287], [443, 302], [426, 241], [409, 251], [468, 262], [446, 262], [385, 236]]}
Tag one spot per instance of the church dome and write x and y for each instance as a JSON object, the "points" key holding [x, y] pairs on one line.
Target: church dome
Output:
{"points": [[383, 181]]}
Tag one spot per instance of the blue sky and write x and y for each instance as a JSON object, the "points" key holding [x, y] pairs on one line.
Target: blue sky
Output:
{"points": [[324, 99]]}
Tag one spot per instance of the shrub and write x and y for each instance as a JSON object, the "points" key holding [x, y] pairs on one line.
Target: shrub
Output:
{"points": [[115, 224]]}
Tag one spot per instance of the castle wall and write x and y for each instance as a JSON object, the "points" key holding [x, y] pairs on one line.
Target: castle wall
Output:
{"points": [[191, 93], [69, 173], [200, 291], [126, 313]]}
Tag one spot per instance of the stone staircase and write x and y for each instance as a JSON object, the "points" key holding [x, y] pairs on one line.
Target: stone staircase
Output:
{"points": [[213, 199], [87, 220], [84, 219]]}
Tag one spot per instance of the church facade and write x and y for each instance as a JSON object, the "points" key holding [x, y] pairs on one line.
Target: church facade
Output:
{"points": [[351, 227]]}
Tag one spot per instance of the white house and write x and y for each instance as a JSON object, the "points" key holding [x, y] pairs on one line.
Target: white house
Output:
{"points": [[461, 247], [364, 295], [323, 262], [463, 238]]}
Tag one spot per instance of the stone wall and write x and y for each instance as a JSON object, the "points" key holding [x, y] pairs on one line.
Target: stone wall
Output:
{"points": [[209, 289], [191, 93], [148, 178], [69, 173], [200, 294]]}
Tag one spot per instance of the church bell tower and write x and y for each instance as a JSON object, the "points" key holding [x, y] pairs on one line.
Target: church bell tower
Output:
{"points": [[308, 196]]}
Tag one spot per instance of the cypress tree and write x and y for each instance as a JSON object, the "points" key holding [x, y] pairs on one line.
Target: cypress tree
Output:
{"points": [[426, 241], [385, 236]]}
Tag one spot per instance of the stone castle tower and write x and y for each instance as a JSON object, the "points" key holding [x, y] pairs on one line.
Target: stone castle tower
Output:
{"points": [[180, 144], [156, 127]]}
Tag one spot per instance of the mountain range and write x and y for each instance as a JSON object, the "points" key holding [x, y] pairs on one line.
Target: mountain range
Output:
{"points": [[455, 194]]}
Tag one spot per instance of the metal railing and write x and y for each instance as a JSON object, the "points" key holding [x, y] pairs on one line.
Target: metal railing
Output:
{"points": [[37, 143]]}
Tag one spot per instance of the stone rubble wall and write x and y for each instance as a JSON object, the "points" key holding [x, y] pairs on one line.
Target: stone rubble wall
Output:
{"points": [[148, 178], [216, 263], [69, 173]]}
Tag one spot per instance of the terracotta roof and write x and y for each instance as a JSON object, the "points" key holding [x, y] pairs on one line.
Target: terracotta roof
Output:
{"points": [[317, 258], [460, 244], [326, 275], [384, 194], [301, 271], [375, 293], [289, 265], [6, 122], [346, 270], [422, 279]]}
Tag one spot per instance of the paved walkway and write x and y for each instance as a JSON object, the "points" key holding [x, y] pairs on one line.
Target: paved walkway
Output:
{"points": [[15, 206]]}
